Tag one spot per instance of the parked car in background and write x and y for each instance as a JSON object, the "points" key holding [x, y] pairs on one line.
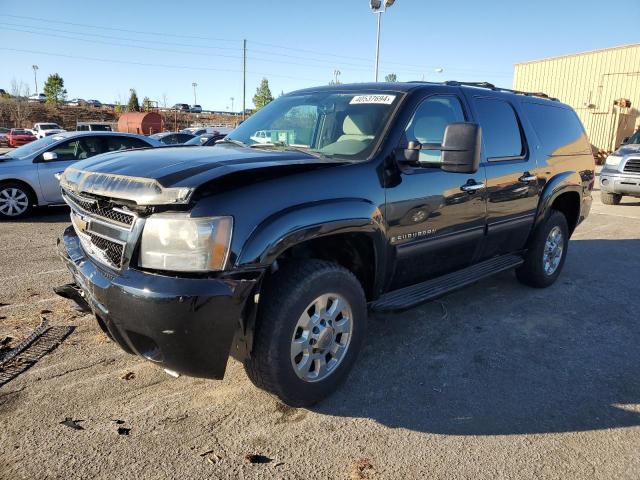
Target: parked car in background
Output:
{"points": [[3, 135], [94, 103], [206, 139], [172, 138], [76, 102], [620, 175], [38, 98], [182, 107], [27, 174], [195, 109], [93, 127], [202, 130], [41, 130], [19, 136]]}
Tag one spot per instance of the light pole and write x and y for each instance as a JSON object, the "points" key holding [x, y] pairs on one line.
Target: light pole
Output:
{"points": [[379, 8], [195, 100], [35, 76], [232, 99]]}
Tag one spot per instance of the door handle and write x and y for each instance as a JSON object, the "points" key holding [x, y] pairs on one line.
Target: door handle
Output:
{"points": [[527, 178], [472, 187]]}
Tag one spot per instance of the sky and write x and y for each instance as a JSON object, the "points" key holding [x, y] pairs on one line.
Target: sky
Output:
{"points": [[103, 49]]}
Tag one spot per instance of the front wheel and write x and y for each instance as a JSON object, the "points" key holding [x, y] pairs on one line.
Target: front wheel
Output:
{"points": [[310, 328], [610, 198], [16, 201], [547, 253]]}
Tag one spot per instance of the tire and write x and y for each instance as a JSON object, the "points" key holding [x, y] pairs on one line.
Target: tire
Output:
{"points": [[610, 198], [284, 300], [23, 200], [535, 272]]}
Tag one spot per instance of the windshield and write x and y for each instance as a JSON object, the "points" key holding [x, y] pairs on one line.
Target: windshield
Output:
{"points": [[29, 148], [634, 139], [327, 123], [49, 126]]}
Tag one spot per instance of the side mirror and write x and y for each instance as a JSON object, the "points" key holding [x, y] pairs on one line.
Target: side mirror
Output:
{"points": [[461, 147], [625, 140], [409, 155], [48, 156]]}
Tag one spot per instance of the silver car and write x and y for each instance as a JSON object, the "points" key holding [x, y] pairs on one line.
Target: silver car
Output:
{"points": [[27, 174]]}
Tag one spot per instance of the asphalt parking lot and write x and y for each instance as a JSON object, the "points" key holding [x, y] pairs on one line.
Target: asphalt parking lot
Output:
{"points": [[495, 381]]}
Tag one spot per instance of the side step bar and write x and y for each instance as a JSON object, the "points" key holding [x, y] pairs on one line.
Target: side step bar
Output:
{"points": [[413, 295]]}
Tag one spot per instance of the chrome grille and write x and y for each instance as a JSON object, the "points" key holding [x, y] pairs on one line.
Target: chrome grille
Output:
{"points": [[105, 230], [112, 250], [632, 165], [91, 206]]}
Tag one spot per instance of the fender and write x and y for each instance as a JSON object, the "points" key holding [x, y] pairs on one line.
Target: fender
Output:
{"points": [[300, 223], [563, 182]]}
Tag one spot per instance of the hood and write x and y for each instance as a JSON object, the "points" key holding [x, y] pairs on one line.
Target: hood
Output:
{"points": [[628, 149], [170, 175]]}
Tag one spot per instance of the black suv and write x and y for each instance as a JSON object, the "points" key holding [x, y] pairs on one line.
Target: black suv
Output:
{"points": [[329, 202]]}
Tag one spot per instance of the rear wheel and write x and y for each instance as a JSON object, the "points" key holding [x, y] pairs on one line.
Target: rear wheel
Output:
{"points": [[16, 200], [610, 198], [310, 327], [547, 253]]}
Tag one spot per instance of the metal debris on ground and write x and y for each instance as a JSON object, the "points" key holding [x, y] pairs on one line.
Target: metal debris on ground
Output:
{"points": [[41, 341], [361, 469], [71, 423], [39, 330], [254, 458], [128, 376]]}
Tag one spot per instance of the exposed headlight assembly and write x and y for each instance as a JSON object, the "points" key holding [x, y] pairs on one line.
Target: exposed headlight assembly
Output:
{"points": [[178, 243], [613, 160]]}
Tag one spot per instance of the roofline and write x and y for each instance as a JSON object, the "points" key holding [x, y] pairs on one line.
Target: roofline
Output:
{"points": [[588, 52]]}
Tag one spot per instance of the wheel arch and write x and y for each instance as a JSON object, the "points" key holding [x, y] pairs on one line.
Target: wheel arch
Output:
{"points": [[563, 193], [348, 232]]}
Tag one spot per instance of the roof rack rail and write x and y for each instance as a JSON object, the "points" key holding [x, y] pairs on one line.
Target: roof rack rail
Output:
{"points": [[491, 86]]}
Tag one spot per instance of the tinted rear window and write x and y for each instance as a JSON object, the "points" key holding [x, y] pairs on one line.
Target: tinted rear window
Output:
{"points": [[558, 128], [500, 128]]}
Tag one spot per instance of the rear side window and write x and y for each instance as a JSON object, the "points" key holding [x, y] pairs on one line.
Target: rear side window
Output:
{"points": [[124, 143], [558, 128], [500, 129]]}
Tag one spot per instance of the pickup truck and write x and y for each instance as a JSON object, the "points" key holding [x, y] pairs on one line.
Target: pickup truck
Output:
{"points": [[41, 130], [620, 174], [392, 195]]}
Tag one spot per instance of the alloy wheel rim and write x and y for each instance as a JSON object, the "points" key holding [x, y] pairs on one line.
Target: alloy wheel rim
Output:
{"points": [[321, 337], [553, 248], [13, 201]]}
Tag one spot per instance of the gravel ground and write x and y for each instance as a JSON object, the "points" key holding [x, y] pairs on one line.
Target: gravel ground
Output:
{"points": [[495, 381]]}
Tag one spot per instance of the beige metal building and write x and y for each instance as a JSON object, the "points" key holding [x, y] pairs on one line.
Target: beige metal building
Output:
{"points": [[603, 86]]}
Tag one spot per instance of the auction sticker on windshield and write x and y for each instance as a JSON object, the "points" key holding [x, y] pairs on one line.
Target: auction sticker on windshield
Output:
{"points": [[381, 99]]}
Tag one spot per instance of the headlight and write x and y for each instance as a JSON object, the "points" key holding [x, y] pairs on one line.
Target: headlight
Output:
{"points": [[177, 242], [613, 160]]}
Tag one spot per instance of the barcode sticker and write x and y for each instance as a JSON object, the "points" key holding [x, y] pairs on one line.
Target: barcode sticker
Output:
{"points": [[380, 99]]}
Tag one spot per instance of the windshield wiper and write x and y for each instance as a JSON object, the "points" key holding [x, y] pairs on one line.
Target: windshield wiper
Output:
{"points": [[293, 148], [268, 145]]}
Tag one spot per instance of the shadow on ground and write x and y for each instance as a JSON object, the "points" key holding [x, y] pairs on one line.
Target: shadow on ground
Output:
{"points": [[45, 215], [501, 358]]}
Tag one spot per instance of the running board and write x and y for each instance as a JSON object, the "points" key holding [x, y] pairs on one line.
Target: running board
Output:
{"points": [[413, 295]]}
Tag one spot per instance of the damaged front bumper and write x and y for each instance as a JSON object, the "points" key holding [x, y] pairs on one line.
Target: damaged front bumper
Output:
{"points": [[185, 324]]}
